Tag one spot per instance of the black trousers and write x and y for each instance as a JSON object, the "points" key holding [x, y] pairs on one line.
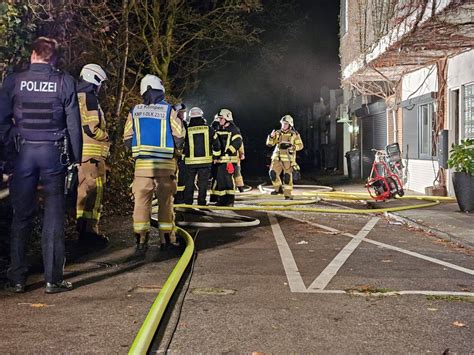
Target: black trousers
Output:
{"points": [[203, 175], [224, 185], [179, 196], [35, 162]]}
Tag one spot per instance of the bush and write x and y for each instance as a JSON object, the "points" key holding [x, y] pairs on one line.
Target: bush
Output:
{"points": [[461, 157]]}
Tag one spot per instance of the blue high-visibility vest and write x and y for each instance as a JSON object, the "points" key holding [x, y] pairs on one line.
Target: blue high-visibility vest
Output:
{"points": [[152, 136]]}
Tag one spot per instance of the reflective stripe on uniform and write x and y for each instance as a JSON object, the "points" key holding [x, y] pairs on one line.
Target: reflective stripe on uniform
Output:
{"points": [[155, 163], [91, 149], [141, 227], [163, 226], [95, 212]]}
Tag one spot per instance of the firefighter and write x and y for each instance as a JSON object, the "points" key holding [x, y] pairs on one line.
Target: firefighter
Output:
{"points": [[156, 136], [202, 146], [239, 179], [94, 152], [213, 198], [39, 114], [287, 142], [179, 197], [230, 140]]}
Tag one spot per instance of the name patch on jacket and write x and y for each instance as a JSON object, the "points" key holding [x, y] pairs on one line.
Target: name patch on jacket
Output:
{"points": [[38, 86], [150, 111]]}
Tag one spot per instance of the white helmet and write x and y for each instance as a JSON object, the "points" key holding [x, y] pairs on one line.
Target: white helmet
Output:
{"points": [[151, 81], [225, 113], [195, 112], [288, 119], [93, 73]]}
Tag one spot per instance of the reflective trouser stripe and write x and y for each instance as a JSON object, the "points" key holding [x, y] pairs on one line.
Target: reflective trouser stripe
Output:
{"points": [[224, 183], [285, 167], [143, 189], [90, 194]]}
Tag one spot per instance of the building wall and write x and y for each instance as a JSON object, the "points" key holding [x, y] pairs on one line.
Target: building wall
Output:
{"points": [[460, 72], [419, 83], [420, 174], [461, 69], [416, 89]]}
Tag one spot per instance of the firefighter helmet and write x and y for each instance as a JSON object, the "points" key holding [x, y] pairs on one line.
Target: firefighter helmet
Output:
{"points": [[151, 81], [93, 73], [226, 114], [180, 107], [195, 112], [288, 119]]}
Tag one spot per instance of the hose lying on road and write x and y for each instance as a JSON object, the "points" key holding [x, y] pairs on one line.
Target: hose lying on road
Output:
{"points": [[148, 329]]}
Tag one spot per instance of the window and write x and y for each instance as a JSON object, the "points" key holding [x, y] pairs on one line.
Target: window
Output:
{"points": [[425, 130], [468, 112], [344, 17]]}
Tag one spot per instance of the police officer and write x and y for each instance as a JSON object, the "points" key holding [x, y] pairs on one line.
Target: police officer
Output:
{"points": [[201, 147], [287, 142], [94, 152], [156, 136], [179, 196], [230, 140], [38, 109]]}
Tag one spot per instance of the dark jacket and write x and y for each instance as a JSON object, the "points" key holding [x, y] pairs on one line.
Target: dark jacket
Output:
{"points": [[47, 93], [196, 152]]}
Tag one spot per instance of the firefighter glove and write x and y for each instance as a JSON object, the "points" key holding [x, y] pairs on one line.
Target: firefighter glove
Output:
{"points": [[230, 168]]}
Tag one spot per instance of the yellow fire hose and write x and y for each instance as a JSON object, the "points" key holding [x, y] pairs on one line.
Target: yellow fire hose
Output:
{"points": [[147, 331]]}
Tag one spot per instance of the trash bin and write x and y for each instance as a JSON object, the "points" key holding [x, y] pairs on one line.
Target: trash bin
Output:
{"points": [[353, 164]]}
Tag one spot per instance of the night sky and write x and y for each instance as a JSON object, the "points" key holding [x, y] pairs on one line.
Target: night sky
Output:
{"points": [[282, 74]]}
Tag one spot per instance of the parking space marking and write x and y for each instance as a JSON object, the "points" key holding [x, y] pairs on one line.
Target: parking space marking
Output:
{"points": [[331, 270], [293, 275], [418, 255]]}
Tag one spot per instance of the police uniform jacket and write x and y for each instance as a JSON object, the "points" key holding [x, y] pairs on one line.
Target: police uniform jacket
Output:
{"points": [[230, 140], [40, 104], [202, 144], [286, 144], [96, 140]]}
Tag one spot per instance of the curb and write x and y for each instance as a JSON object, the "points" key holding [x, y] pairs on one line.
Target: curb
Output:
{"points": [[436, 232]]}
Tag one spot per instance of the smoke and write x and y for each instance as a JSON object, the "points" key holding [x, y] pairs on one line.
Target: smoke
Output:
{"points": [[283, 74]]}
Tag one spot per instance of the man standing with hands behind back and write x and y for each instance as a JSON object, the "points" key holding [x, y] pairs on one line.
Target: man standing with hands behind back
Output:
{"points": [[39, 114]]}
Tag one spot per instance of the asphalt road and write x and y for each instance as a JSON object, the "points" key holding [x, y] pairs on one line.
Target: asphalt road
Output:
{"points": [[288, 286], [296, 283]]}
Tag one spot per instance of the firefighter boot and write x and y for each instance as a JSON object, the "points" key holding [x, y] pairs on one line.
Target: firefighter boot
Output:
{"points": [[142, 243], [278, 191], [167, 240]]}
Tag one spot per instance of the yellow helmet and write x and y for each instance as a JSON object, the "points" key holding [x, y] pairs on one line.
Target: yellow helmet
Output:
{"points": [[288, 119]]}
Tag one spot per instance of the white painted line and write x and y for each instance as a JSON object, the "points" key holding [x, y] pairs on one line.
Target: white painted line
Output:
{"points": [[291, 269], [331, 270], [395, 293], [388, 246], [419, 256]]}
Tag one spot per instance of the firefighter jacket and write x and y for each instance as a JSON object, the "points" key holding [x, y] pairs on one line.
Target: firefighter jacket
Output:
{"points": [[202, 144], [40, 104], [156, 136], [230, 140], [286, 144], [95, 137]]}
